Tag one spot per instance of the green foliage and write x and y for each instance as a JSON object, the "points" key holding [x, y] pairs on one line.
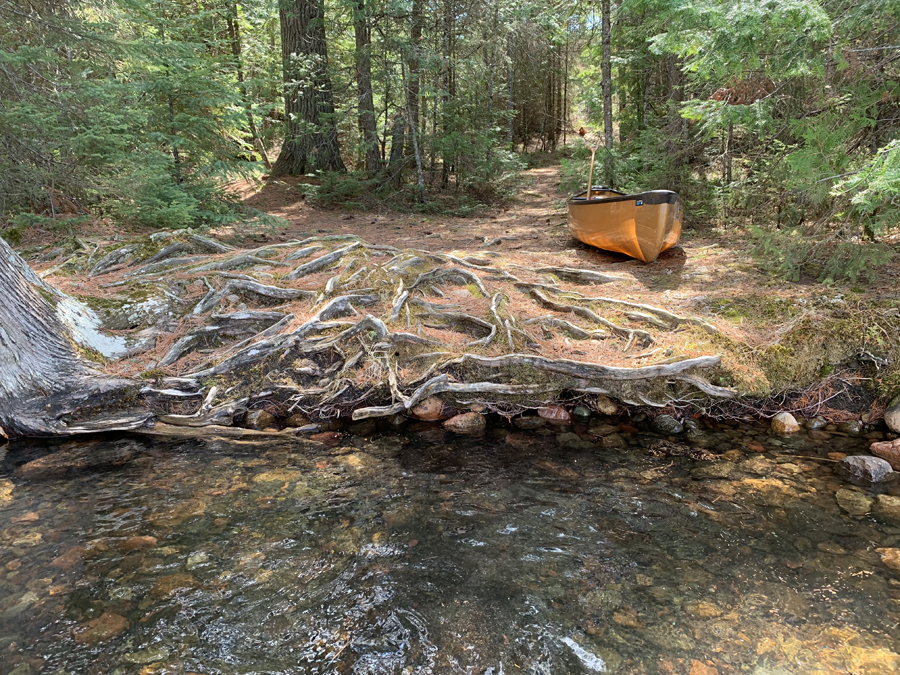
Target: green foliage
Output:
{"points": [[128, 108], [874, 190], [791, 253], [721, 39]]}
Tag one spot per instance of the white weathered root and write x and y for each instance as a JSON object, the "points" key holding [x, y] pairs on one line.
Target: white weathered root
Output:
{"points": [[304, 252], [169, 265], [397, 302], [238, 261], [575, 332], [578, 276], [343, 359], [629, 334], [226, 326], [247, 285], [114, 260], [673, 320], [322, 262], [439, 273]]}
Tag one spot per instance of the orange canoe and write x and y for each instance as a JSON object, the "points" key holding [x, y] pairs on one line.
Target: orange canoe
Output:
{"points": [[642, 225]]}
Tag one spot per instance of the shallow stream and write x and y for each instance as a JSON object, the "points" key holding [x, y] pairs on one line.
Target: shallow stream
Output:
{"points": [[557, 550]]}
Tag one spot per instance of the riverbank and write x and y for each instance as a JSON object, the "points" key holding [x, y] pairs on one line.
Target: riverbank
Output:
{"points": [[502, 311]]}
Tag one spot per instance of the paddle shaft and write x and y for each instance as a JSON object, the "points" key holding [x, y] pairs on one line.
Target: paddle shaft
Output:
{"points": [[591, 173]]}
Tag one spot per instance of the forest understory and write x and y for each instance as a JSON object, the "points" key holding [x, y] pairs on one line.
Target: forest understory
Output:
{"points": [[362, 315]]}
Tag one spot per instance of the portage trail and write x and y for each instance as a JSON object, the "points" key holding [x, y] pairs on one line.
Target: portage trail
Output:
{"points": [[360, 314]]}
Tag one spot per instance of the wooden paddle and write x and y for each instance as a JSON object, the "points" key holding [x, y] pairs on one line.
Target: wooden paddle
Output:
{"points": [[591, 174]]}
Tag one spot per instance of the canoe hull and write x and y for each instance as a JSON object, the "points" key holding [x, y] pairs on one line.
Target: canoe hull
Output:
{"points": [[640, 225]]}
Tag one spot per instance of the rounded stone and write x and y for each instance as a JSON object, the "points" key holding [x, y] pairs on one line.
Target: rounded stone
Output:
{"points": [[555, 414], [606, 405], [529, 422], [105, 627], [890, 557], [864, 469], [431, 409], [666, 424], [581, 412], [172, 584], [784, 423], [141, 543], [851, 428], [296, 420], [888, 451], [892, 415], [467, 424], [815, 424], [888, 507], [259, 420]]}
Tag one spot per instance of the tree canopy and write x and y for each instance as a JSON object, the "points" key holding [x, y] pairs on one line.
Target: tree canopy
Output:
{"points": [[780, 117]]}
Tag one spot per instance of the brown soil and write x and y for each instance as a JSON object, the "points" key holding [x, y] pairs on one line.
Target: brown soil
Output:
{"points": [[710, 277]]}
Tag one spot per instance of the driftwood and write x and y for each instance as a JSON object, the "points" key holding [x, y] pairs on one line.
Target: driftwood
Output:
{"points": [[372, 340]]}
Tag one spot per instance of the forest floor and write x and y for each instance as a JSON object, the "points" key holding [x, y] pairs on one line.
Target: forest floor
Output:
{"points": [[706, 297]]}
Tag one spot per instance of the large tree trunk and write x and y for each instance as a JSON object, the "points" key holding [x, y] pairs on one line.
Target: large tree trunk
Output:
{"points": [[606, 85], [414, 60], [311, 142], [366, 103], [46, 386]]}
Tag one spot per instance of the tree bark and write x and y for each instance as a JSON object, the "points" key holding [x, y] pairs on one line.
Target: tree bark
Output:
{"points": [[414, 60], [606, 86], [449, 86], [46, 387], [234, 34], [311, 142], [366, 102]]}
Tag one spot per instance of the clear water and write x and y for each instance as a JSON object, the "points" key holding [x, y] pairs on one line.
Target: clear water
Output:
{"points": [[427, 554]]}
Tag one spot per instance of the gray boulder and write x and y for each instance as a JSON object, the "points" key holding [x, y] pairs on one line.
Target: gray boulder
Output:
{"points": [[666, 424], [892, 416], [864, 468]]}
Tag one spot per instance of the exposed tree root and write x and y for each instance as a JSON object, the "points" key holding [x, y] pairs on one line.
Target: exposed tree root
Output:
{"points": [[319, 353]]}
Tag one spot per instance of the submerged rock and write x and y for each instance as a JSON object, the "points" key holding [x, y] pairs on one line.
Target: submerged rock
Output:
{"points": [[469, 423], [78, 457], [892, 416], [581, 412], [784, 423], [853, 502], [890, 557], [529, 422], [851, 428], [170, 584], [864, 469], [888, 451], [816, 423], [149, 655], [105, 627], [137, 544], [6, 490], [888, 506], [666, 424], [296, 420]]}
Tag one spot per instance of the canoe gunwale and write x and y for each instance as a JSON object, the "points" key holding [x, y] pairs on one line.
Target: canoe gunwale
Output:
{"points": [[650, 198]]}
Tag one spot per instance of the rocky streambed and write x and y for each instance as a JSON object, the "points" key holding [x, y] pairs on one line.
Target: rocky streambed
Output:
{"points": [[542, 545]]}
